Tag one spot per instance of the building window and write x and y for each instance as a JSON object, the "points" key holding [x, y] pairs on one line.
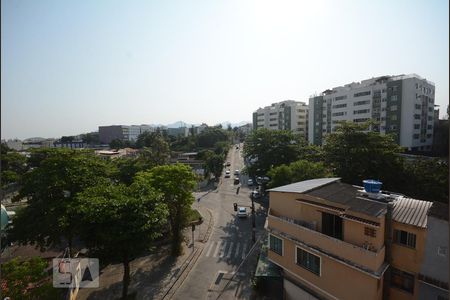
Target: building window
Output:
{"points": [[361, 111], [308, 261], [276, 244], [393, 107], [394, 118], [362, 94], [361, 102], [405, 238], [418, 106], [369, 231], [332, 225], [340, 105], [442, 251], [403, 280], [340, 98], [416, 136], [430, 127], [416, 126], [394, 98], [429, 136], [337, 114], [417, 117]]}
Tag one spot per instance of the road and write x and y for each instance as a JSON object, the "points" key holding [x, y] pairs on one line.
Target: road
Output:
{"points": [[229, 243]]}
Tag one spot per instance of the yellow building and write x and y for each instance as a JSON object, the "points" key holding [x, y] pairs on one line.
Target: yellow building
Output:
{"points": [[329, 239]]}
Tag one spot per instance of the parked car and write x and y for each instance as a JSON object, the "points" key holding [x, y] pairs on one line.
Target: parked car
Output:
{"points": [[228, 164], [250, 182], [236, 172], [227, 174], [236, 180], [242, 212]]}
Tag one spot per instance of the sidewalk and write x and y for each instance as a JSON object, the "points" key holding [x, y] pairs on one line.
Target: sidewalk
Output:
{"points": [[155, 276]]}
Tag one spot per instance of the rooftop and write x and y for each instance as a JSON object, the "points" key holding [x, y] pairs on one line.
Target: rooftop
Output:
{"points": [[353, 198], [439, 210]]}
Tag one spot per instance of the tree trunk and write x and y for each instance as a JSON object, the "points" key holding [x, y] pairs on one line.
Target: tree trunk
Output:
{"points": [[126, 277]]}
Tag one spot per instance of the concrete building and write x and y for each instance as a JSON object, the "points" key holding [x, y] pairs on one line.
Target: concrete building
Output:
{"points": [[433, 277], [401, 105], [338, 241], [180, 131], [122, 132], [15, 144], [285, 115]]}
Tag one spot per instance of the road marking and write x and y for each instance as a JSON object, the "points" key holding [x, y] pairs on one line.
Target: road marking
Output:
{"points": [[222, 250], [243, 250], [210, 248], [230, 250], [217, 249], [237, 250]]}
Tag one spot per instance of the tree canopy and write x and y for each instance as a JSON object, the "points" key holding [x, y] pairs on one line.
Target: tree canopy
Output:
{"points": [[121, 222], [176, 183], [265, 148], [297, 171]]}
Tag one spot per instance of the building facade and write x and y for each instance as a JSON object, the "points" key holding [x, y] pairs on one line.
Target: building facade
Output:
{"points": [[400, 105], [286, 115], [331, 240], [433, 276], [122, 132]]}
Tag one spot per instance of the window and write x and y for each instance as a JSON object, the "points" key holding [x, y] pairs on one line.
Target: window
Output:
{"points": [[430, 127], [361, 102], [417, 116], [340, 105], [430, 118], [362, 94], [360, 120], [369, 231], [308, 261], [393, 107], [394, 118], [394, 98], [383, 100], [340, 98], [332, 225], [442, 251], [336, 114], [361, 111], [405, 238], [416, 126], [416, 136], [276, 244], [273, 113], [418, 106], [402, 280], [429, 136], [272, 119]]}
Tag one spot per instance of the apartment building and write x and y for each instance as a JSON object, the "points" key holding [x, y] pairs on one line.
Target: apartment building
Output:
{"points": [[285, 115], [401, 105], [339, 241]]}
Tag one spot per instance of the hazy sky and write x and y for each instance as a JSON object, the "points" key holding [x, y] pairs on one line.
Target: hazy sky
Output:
{"points": [[69, 66]]}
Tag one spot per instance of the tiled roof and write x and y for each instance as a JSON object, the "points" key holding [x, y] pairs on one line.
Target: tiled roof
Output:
{"points": [[411, 211]]}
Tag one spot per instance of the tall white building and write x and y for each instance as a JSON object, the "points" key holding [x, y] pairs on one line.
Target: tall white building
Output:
{"points": [[401, 105], [285, 115]]}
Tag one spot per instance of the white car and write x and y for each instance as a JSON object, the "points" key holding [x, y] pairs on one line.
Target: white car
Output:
{"points": [[227, 174], [250, 182], [236, 172], [242, 212]]}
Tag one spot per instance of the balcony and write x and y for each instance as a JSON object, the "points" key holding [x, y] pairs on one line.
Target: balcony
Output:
{"points": [[338, 249]]}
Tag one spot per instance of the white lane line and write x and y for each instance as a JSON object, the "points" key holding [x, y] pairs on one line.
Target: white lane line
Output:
{"points": [[230, 250], [237, 250], [243, 250], [217, 249], [222, 251], [210, 248]]}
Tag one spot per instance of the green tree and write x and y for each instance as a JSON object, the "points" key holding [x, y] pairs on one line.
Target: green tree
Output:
{"points": [[266, 148], [27, 280], [214, 165], [50, 190], [297, 171], [210, 136], [127, 167], [156, 150], [176, 183], [117, 144], [13, 166], [425, 179], [356, 155], [120, 222]]}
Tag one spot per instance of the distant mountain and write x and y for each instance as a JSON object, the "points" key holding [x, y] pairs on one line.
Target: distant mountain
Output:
{"points": [[179, 124], [226, 123]]}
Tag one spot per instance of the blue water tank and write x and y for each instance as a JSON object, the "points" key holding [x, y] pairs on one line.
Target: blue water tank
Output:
{"points": [[372, 186]]}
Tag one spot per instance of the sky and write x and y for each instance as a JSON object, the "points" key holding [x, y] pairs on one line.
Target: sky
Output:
{"points": [[68, 67]]}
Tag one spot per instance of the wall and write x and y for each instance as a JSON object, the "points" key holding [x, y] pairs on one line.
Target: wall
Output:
{"points": [[329, 284]]}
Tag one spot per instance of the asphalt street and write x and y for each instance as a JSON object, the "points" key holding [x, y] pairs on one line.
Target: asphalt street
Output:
{"points": [[229, 243]]}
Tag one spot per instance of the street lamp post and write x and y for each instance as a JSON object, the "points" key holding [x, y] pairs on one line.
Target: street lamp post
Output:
{"points": [[253, 220]]}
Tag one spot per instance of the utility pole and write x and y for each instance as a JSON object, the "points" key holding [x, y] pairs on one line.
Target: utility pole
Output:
{"points": [[193, 229]]}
